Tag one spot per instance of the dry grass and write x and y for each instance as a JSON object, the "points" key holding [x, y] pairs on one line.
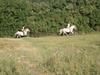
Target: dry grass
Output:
{"points": [[51, 55]]}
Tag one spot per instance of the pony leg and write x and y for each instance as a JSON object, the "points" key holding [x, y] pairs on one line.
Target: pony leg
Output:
{"points": [[72, 32], [65, 33], [18, 36], [60, 33]]}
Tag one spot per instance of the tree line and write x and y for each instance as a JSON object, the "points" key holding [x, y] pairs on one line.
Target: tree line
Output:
{"points": [[46, 17]]}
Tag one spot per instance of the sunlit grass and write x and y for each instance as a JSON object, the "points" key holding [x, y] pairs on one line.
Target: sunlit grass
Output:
{"points": [[51, 55]]}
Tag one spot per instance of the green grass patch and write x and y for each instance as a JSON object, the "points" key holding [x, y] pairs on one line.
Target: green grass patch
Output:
{"points": [[51, 55]]}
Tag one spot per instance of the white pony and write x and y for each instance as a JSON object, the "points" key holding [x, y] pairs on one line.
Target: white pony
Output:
{"points": [[69, 29], [24, 32]]}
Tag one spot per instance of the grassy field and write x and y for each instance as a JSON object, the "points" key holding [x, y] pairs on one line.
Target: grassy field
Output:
{"points": [[51, 55]]}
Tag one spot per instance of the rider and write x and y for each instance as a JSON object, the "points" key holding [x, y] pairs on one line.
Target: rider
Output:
{"points": [[68, 29], [23, 29], [68, 25]]}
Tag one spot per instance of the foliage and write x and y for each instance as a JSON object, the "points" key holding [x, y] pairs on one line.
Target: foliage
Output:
{"points": [[48, 16], [12, 16]]}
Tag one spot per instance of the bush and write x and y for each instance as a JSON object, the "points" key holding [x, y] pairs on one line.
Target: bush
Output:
{"points": [[12, 16], [46, 17]]}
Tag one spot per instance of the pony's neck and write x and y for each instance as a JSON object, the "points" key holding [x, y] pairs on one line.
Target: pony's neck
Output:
{"points": [[25, 32], [73, 27]]}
